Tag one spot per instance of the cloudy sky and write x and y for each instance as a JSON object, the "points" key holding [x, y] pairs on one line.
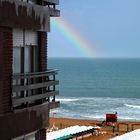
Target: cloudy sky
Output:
{"points": [[111, 27]]}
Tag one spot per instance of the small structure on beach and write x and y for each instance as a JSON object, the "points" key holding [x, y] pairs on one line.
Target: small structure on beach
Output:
{"points": [[111, 118]]}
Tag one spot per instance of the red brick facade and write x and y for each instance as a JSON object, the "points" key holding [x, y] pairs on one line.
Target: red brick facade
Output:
{"points": [[6, 52], [42, 51], [5, 69]]}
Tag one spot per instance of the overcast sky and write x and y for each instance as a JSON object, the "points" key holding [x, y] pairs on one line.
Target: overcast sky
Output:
{"points": [[111, 26]]}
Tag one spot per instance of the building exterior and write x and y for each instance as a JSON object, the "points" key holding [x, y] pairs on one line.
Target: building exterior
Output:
{"points": [[27, 86]]}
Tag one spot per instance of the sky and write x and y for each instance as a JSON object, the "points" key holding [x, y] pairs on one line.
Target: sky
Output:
{"points": [[110, 28]]}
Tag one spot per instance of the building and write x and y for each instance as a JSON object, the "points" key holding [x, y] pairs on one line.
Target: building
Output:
{"points": [[27, 86]]}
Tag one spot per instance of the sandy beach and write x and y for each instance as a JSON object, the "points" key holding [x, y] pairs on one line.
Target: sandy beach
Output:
{"points": [[105, 132]]}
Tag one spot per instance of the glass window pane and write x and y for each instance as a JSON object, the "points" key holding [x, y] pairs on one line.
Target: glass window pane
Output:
{"points": [[27, 59], [16, 59]]}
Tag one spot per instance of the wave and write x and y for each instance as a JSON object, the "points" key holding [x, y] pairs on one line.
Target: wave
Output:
{"points": [[67, 99], [132, 106], [93, 98], [99, 117], [128, 118]]}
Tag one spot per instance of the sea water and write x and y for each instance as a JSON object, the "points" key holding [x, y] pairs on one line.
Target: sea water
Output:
{"points": [[90, 88]]}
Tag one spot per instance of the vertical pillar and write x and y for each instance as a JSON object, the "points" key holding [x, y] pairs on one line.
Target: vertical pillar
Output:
{"points": [[6, 54], [42, 41]]}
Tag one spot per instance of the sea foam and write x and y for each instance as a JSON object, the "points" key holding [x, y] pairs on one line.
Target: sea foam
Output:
{"points": [[132, 106]]}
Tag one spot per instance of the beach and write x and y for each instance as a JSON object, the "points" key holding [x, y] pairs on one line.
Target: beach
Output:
{"points": [[105, 131]]}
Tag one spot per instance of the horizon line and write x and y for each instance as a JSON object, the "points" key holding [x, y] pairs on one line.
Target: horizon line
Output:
{"points": [[97, 57]]}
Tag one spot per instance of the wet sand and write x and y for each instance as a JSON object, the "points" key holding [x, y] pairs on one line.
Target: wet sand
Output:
{"points": [[105, 132]]}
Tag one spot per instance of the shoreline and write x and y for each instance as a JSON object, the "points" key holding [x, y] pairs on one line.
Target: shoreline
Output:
{"points": [[106, 131], [96, 119]]}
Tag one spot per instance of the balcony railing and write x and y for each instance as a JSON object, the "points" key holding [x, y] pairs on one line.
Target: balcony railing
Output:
{"points": [[34, 88]]}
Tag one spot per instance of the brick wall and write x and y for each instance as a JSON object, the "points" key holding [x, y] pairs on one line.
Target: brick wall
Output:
{"points": [[5, 69], [42, 41], [42, 51]]}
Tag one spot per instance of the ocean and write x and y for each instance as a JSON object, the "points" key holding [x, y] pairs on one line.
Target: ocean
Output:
{"points": [[90, 88]]}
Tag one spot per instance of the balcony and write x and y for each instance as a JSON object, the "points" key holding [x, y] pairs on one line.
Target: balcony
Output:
{"points": [[32, 89]]}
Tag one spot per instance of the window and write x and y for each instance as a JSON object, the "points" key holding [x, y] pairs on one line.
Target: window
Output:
{"points": [[24, 56], [24, 51]]}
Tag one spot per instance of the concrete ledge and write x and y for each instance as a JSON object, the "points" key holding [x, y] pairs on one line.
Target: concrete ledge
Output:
{"points": [[24, 121]]}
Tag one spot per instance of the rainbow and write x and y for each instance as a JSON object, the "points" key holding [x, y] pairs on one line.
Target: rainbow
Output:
{"points": [[74, 37]]}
